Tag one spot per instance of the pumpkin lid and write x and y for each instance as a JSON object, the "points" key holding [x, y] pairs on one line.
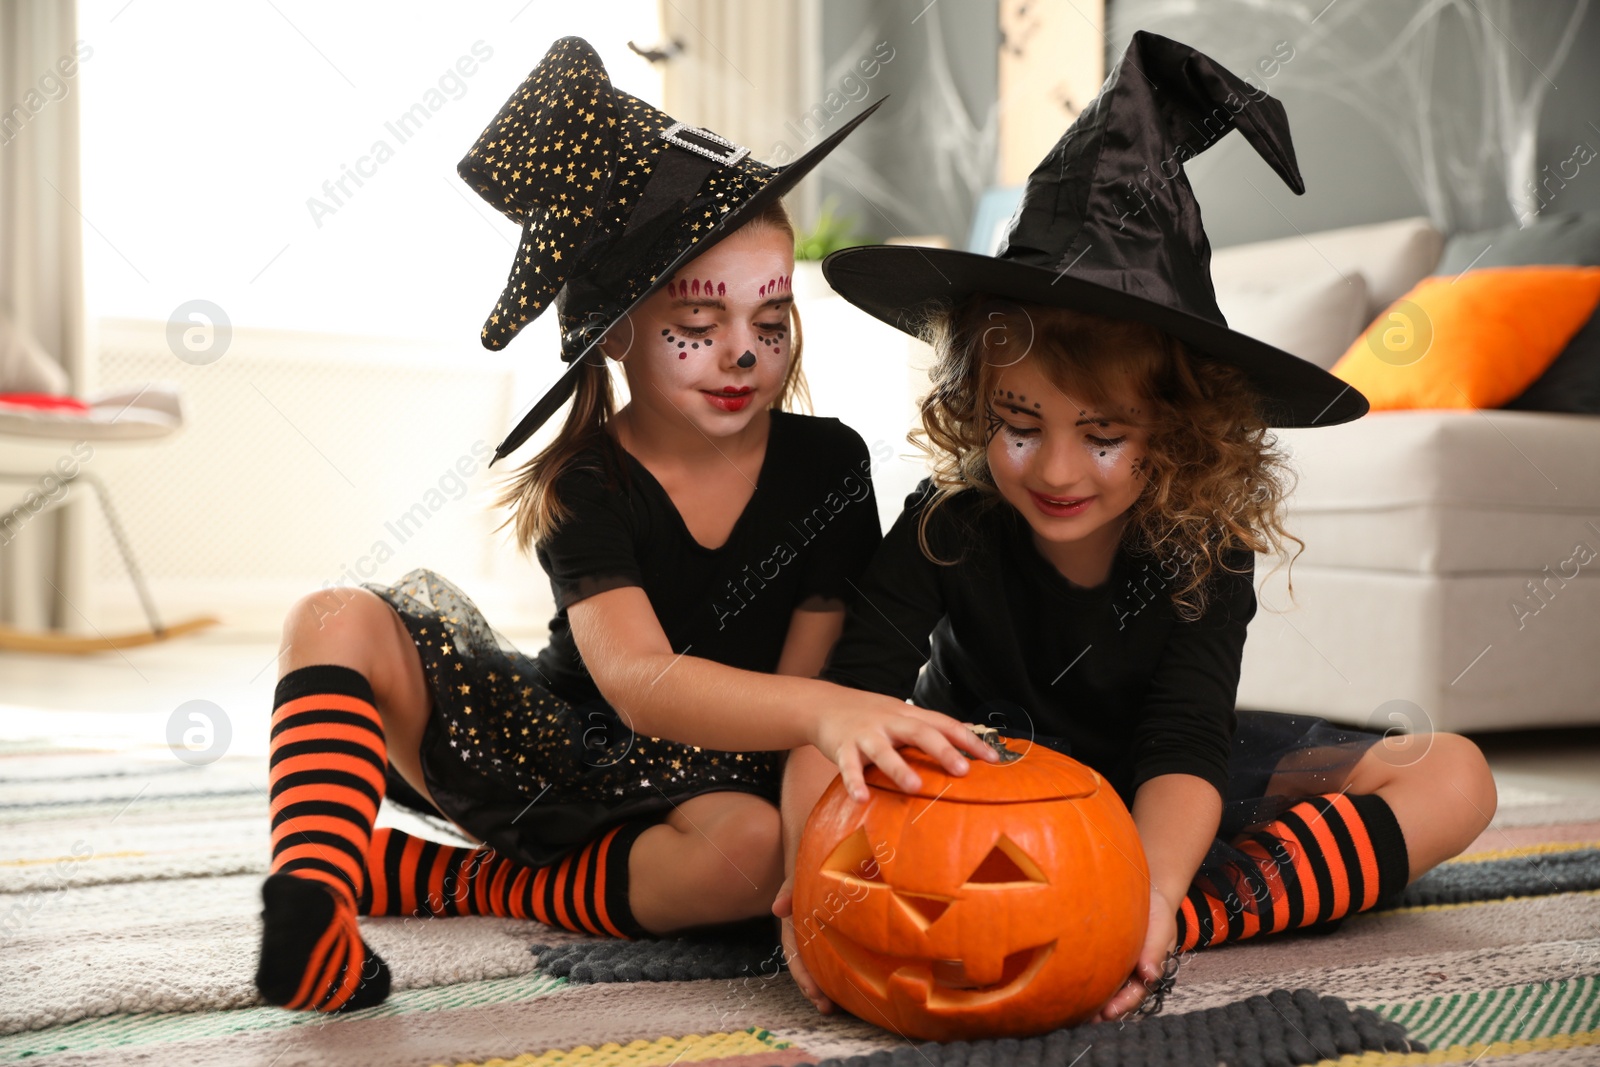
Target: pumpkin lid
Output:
{"points": [[1038, 774]]}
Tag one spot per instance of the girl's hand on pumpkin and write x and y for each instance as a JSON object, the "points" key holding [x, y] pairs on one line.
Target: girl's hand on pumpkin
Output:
{"points": [[783, 908], [1161, 937], [871, 732]]}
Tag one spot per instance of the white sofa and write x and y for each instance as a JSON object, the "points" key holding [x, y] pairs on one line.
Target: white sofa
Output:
{"points": [[1451, 576]]}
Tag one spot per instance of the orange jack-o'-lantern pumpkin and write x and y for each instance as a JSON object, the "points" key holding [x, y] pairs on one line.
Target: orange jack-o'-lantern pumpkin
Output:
{"points": [[1012, 900]]}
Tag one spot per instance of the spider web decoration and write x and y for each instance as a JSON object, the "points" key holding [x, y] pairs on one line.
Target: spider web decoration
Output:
{"points": [[1454, 87]]}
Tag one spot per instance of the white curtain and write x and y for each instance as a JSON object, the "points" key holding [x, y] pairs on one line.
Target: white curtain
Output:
{"points": [[745, 71], [43, 571]]}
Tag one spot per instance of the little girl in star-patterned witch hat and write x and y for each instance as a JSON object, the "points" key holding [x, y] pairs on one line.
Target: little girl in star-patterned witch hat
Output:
{"points": [[624, 781]]}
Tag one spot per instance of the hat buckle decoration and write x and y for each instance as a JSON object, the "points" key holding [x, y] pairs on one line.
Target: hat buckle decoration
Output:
{"points": [[735, 152]]}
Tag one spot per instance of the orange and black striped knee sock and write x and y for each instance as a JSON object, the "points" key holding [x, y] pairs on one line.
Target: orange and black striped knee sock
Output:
{"points": [[1326, 857], [325, 780], [586, 891]]}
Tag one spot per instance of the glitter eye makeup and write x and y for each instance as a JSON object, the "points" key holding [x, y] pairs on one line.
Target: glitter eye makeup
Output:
{"points": [[1106, 448], [1024, 440], [1107, 456]]}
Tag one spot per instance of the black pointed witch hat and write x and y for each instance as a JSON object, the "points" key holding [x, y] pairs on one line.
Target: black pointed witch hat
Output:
{"points": [[1109, 224], [613, 197]]}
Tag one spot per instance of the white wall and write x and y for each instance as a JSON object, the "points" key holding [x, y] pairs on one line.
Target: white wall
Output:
{"points": [[354, 381]]}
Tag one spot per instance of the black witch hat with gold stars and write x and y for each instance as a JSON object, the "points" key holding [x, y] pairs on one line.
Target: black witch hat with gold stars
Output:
{"points": [[613, 196], [1109, 224]]}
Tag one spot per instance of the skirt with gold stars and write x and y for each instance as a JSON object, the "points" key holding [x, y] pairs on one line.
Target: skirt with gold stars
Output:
{"points": [[521, 768]]}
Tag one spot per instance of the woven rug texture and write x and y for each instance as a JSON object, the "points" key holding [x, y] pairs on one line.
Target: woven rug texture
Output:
{"points": [[129, 890]]}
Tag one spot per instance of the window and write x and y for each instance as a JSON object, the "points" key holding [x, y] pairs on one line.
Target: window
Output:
{"points": [[294, 163]]}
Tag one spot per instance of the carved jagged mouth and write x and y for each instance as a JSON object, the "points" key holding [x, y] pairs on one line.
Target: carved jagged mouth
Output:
{"points": [[937, 983]]}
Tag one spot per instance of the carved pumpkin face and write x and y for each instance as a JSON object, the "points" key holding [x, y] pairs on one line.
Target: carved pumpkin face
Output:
{"points": [[1010, 901]]}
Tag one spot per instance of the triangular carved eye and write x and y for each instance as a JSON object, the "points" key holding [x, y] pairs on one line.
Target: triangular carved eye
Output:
{"points": [[853, 858], [1006, 863]]}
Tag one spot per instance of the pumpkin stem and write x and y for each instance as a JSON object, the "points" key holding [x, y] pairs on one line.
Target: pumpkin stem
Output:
{"points": [[993, 738]]}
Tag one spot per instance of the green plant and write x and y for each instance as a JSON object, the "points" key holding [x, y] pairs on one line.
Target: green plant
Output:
{"points": [[831, 233]]}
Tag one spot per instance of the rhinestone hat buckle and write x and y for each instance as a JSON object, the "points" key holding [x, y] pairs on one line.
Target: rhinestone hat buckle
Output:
{"points": [[734, 153]]}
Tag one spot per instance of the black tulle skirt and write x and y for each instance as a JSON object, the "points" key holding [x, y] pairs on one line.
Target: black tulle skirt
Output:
{"points": [[1307, 755], [536, 776], [526, 771]]}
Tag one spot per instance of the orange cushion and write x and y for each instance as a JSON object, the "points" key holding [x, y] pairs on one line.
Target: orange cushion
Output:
{"points": [[1474, 340]]}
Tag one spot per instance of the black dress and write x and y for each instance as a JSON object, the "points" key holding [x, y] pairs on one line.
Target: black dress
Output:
{"points": [[522, 751], [1109, 675]]}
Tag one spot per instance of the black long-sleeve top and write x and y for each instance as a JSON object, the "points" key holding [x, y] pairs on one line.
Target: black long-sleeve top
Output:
{"points": [[1109, 675]]}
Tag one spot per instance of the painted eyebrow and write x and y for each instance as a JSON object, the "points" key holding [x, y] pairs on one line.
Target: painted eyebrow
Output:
{"points": [[1096, 421]]}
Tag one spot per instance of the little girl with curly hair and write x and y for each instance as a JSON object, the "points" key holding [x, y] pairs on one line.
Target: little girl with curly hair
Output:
{"points": [[1077, 571]]}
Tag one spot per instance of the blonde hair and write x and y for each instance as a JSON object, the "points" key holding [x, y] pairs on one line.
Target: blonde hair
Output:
{"points": [[1215, 479], [531, 492]]}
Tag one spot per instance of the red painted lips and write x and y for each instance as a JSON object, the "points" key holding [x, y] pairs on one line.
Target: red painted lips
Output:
{"points": [[732, 398], [1060, 507]]}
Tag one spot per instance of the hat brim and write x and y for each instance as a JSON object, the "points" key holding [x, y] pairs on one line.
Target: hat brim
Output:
{"points": [[904, 285], [786, 178]]}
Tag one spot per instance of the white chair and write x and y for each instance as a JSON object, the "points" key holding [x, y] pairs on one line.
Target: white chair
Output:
{"points": [[33, 408]]}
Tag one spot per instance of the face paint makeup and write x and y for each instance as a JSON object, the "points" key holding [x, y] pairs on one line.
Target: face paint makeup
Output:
{"points": [[1107, 456], [1023, 441], [704, 289], [747, 360], [1106, 452], [775, 341], [774, 286], [713, 300], [1022, 447], [993, 423], [696, 287], [1045, 457], [681, 343]]}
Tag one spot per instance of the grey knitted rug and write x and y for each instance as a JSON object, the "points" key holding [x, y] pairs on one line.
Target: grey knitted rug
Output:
{"points": [[1486, 961], [1530, 875], [1281, 1029], [752, 949]]}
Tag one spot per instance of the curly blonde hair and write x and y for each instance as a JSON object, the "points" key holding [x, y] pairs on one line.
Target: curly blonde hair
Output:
{"points": [[1215, 478]]}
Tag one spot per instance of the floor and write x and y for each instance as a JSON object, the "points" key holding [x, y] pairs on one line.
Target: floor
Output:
{"points": [[152, 695]]}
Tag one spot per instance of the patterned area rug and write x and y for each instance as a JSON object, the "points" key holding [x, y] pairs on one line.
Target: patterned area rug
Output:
{"points": [[129, 890]]}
